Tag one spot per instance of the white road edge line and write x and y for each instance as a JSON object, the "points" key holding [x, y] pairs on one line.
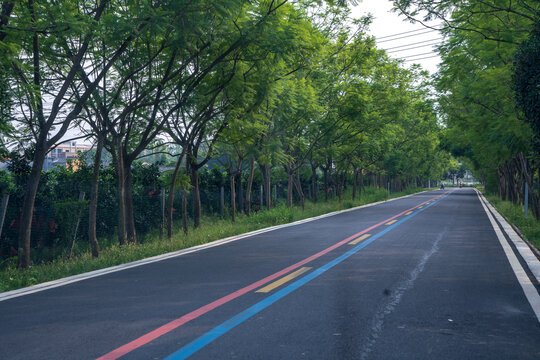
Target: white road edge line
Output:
{"points": [[528, 288], [524, 249], [75, 278]]}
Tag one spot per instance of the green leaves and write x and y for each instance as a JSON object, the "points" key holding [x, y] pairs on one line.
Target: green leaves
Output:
{"points": [[526, 80], [474, 83]]}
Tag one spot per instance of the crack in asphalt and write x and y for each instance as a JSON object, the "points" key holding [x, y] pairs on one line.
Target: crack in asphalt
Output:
{"points": [[395, 296]]}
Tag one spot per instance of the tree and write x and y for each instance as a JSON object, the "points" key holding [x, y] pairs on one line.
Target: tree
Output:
{"points": [[232, 90], [527, 82], [482, 40], [482, 18], [55, 39]]}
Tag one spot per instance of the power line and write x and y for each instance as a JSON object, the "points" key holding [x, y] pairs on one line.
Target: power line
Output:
{"points": [[410, 48], [403, 37], [415, 43], [427, 57], [410, 56], [406, 32]]}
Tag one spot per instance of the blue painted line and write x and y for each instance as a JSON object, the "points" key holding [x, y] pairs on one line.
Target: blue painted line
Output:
{"points": [[228, 325]]}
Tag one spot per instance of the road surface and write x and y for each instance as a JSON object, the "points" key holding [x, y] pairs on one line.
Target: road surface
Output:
{"points": [[422, 277]]}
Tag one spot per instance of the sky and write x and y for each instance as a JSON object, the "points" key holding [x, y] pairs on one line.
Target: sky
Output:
{"points": [[388, 23]]}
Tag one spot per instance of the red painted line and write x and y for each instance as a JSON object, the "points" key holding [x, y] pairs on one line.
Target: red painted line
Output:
{"points": [[164, 329]]}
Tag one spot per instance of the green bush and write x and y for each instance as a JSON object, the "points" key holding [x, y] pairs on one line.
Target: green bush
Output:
{"points": [[71, 216]]}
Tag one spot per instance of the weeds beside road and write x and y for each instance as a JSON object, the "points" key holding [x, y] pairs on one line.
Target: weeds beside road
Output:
{"points": [[515, 214]]}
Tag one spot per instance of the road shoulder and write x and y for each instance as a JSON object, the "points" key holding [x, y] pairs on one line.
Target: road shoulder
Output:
{"points": [[523, 250]]}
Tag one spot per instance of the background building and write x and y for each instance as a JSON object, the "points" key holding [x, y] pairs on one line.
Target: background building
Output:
{"points": [[64, 152]]}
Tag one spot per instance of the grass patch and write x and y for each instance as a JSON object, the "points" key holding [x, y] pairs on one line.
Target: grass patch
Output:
{"points": [[212, 228], [529, 227]]}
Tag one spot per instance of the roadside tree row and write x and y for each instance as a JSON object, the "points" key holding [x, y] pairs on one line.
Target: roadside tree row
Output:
{"points": [[252, 85], [488, 89]]}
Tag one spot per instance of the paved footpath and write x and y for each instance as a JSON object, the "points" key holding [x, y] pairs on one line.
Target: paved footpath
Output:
{"points": [[436, 275]]}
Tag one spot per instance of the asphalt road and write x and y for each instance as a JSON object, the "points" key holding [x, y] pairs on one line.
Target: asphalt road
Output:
{"points": [[433, 284]]}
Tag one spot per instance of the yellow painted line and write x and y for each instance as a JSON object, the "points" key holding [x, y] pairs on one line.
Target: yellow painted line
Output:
{"points": [[391, 222], [409, 213], [420, 207], [283, 280], [358, 239]]}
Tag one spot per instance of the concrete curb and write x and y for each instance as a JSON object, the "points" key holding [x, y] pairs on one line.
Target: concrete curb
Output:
{"points": [[524, 250], [531, 246], [88, 275]]}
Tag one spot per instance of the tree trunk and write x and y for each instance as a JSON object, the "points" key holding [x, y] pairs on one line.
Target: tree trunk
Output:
{"points": [[240, 193], [268, 188], [120, 194], [184, 213], [314, 183], [261, 196], [362, 186], [170, 198], [340, 184], [233, 198], [27, 211], [76, 230], [289, 188], [94, 192], [506, 189], [529, 178], [250, 184], [325, 180], [265, 172], [3, 210], [537, 172], [355, 175], [5, 14], [513, 183], [130, 216], [299, 189], [502, 186], [196, 196]]}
